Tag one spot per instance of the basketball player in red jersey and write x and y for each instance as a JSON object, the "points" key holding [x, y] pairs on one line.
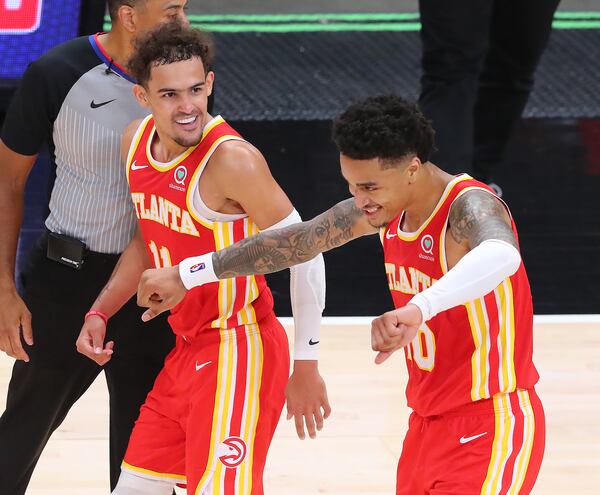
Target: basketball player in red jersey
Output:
{"points": [[197, 185], [463, 303]]}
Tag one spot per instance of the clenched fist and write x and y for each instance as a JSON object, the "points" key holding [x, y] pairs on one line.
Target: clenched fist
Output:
{"points": [[159, 290], [394, 330]]}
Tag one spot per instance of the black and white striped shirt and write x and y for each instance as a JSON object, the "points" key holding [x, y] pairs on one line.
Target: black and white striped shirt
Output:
{"points": [[70, 100]]}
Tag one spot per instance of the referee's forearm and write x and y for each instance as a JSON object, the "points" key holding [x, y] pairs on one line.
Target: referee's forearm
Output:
{"points": [[14, 169], [11, 217]]}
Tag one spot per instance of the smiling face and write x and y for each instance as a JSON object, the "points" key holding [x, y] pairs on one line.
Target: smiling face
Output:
{"points": [[177, 94], [382, 193]]}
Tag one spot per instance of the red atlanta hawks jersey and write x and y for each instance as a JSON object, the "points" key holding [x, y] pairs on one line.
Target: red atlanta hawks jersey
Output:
{"points": [[470, 352], [172, 229]]}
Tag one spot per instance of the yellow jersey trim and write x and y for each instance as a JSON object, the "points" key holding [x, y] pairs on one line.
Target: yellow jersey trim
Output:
{"points": [[137, 136], [411, 236]]}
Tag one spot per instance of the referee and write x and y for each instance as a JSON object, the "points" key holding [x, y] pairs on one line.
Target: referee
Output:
{"points": [[76, 99]]}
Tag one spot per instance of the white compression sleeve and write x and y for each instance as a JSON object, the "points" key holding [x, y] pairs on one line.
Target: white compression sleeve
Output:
{"points": [[307, 293], [478, 272]]}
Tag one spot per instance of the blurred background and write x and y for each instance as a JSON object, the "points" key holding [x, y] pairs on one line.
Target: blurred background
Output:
{"points": [[285, 68]]}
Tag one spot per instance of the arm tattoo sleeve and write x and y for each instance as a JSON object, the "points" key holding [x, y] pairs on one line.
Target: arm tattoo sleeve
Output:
{"points": [[275, 250], [477, 216]]}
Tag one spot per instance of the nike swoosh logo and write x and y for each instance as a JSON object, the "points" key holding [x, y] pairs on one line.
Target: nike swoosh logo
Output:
{"points": [[313, 342], [137, 167], [200, 366], [93, 104], [468, 439], [390, 236]]}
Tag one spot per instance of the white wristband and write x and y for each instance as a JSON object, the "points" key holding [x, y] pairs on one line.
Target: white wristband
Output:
{"points": [[197, 270]]}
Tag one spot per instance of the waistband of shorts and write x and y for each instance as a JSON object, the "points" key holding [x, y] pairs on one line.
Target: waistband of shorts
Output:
{"points": [[485, 406], [265, 324]]}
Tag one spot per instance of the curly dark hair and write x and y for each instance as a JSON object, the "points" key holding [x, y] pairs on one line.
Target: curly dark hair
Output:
{"points": [[168, 43], [385, 127]]}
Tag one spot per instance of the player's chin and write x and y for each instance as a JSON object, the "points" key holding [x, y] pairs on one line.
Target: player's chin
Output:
{"points": [[378, 220], [188, 141]]}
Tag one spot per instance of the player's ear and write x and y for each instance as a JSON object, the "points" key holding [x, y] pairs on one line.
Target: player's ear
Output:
{"points": [[210, 79], [413, 168], [141, 95]]}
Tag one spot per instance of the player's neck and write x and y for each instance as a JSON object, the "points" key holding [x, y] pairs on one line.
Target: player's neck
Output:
{"points": [[427, 193], [166, 150], [118, 44]]}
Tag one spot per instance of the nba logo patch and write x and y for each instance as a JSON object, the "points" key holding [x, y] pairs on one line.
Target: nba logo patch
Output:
{"points": [[197, 267], [19, 16]]}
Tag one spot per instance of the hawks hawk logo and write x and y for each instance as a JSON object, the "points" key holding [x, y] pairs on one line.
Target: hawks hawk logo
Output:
{"points": [[232, 452]]}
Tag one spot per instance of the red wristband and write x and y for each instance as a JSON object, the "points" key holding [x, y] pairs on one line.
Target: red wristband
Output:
{"points": [[96, 313]]}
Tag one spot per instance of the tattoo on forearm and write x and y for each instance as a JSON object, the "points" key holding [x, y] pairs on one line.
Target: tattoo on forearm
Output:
{"points": [[272, 251], [477, 216], [108, 284]]}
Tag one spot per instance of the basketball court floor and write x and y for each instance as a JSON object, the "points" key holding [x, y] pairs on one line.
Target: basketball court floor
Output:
{"points": [[357, 451]]}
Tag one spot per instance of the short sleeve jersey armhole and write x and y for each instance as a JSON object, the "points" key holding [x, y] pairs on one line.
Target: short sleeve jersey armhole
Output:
{"points": [[43, 88]]}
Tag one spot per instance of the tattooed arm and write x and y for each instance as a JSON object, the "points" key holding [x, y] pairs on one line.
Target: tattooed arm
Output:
{"points": [[275, 250], [477, 216], [267, 252]]}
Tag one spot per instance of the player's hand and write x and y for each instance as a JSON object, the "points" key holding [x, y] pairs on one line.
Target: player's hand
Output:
{"points": [[394, 330], [160, 289], [90, 342], [14, 319], [307, 400]]}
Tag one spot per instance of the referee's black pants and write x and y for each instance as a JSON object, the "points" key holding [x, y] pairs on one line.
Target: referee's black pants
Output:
{"points": [[479, 59], [42, 391]]}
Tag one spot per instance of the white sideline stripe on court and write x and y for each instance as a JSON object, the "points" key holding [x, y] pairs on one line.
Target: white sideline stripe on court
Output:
{"points": [[566, 318], [366, 320]]}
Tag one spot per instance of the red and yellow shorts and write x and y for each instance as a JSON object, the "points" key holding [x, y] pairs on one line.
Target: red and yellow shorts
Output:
{"points": [[212, 413], [490, 447]]}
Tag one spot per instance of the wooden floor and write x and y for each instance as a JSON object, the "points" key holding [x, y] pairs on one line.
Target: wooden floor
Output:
{"points": [[358, 450]]}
